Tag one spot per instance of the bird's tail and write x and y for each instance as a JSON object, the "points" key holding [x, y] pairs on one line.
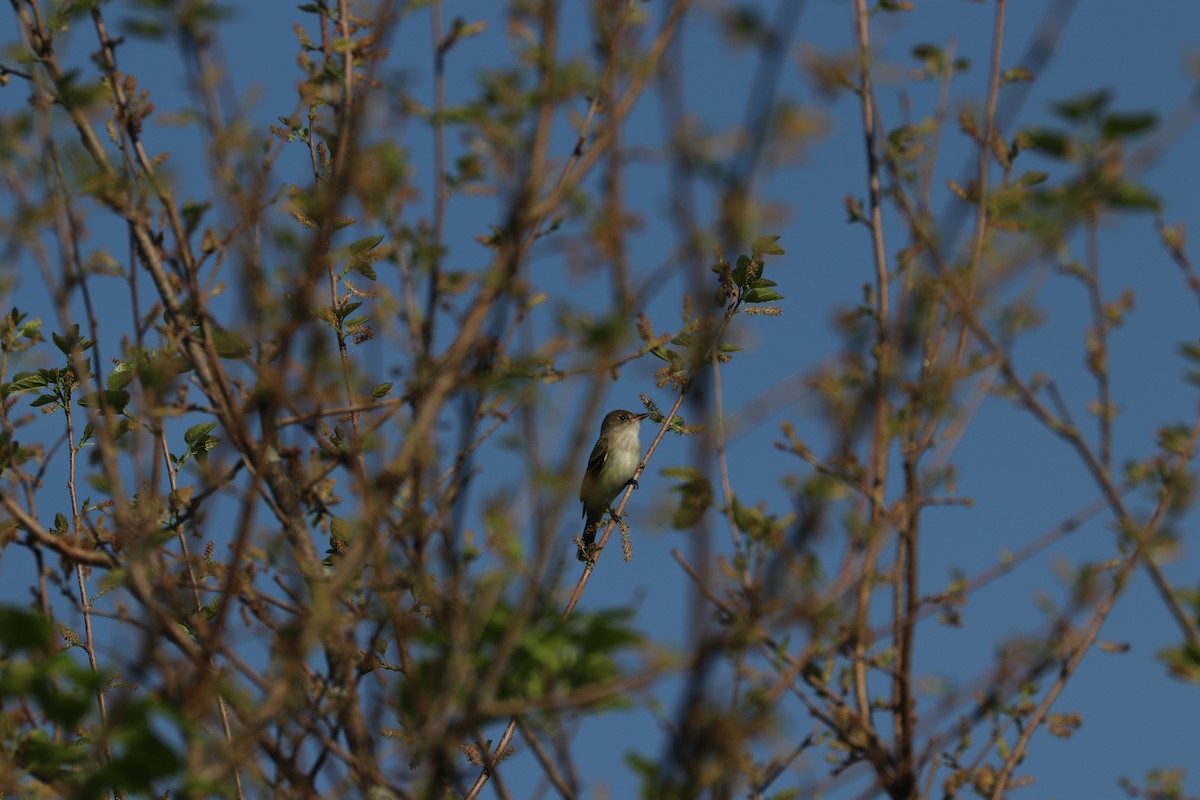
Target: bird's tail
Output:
{"points": [[585, 553]]}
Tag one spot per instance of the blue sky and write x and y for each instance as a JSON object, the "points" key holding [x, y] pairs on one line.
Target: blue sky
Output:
{"points": [[1021, 480]]}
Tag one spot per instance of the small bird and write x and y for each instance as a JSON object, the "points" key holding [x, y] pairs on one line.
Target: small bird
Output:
{"points": [[610, 469]]}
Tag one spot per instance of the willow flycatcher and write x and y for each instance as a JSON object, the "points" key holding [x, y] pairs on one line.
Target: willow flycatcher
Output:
{"points": [[610, 469]]}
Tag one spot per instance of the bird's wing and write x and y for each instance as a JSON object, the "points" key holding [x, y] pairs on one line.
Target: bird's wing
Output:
{"points": [[597, 458], [595, 461]]}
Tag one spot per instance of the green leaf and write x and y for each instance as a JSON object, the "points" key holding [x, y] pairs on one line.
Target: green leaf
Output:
{"points": [[1054, 144], [121, 375], [741, 270], [44, 400], [1190, 351], [347, 309], [62, 343], [1032, 179], [193, 212], [1016, 74], [340, 529], [1129, 196], [664, 353], [197, 433], [1125, 126], [24, 381], [114, 401], [144, 28], [363, 254], [230, 344], [762, 296], [765, 245], [1174, 438], [1183, 661], [931, 54], [123, 426], [1084, 107], [71, 340], [366, 243], [23, 630], [695, 497], [380, 390]]}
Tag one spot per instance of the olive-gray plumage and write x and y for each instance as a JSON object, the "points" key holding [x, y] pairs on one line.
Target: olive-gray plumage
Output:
{"points": [[610, 469]]}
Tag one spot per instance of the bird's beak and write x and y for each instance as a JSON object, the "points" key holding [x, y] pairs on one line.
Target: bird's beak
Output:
{"points": [[641, 416]]}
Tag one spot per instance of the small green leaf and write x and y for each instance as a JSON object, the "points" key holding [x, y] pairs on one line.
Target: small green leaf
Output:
{"points": [[345, 310], [380, 390], [1016, 74], [741, 270], [664, 353], [1054, 144], [1081, 108], [365, 243], [1174, 438], [230, 344], [24, 630], [695, 497], [24, 381], [765, 245], [114, 401], [197, 433], [340, 530], [1128, 195], [762, 296], [60, 342], [1125, 126], [193, 212], [1032, 179], [121, 375], [929, 53], [1183, 661]]}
